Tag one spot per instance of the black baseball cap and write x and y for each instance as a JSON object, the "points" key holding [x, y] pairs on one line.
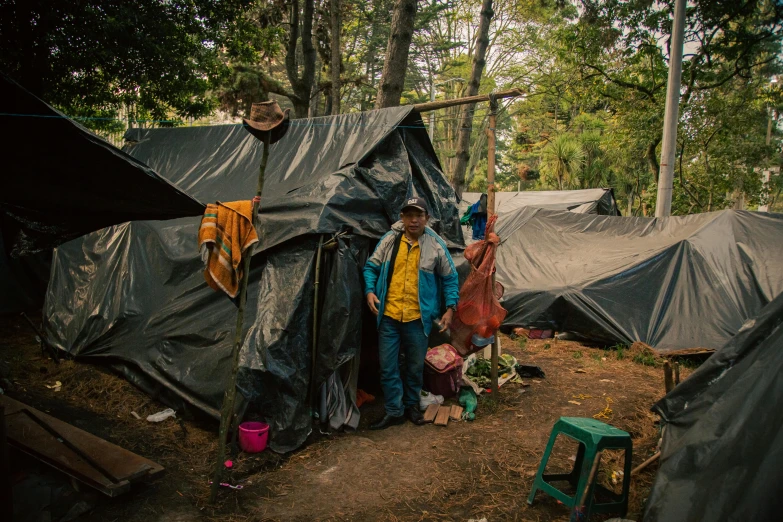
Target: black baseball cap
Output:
{"points": [[418, 203]]}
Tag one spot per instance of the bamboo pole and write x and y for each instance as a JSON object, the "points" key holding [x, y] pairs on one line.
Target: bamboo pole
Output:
{"points": [[231, 389], [493, 112], [442, 104]]}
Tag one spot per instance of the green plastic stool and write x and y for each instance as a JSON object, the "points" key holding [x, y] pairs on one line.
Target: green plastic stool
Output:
{"points": [[595, 437]]}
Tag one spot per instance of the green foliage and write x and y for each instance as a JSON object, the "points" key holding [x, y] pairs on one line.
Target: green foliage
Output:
{"points": [[594, 74], [522, 342], [561, 162], [577, 354], [155, 58], [645, 358]]}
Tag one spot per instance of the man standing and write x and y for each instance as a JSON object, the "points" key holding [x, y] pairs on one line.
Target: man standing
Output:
{"points": [[408, 278]]}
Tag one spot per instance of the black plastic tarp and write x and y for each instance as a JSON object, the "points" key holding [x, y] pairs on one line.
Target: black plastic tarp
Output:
{"points": [[722, 450], [61, 181], [586, 201], [134, 295], [326, 173], [673, 283]]}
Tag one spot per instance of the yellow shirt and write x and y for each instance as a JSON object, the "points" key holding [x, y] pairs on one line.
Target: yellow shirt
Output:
{"points": [[402, 298]]}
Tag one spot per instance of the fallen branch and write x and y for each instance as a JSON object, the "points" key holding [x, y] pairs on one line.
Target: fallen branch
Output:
{"points": [[646, 463]]}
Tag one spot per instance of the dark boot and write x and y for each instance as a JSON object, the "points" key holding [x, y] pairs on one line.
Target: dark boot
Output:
{"points": [[415, 416], [387, 421]]}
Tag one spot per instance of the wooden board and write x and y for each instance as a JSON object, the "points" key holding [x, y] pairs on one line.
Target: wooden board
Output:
{"points": [[431, 412], [442, 418], [28, 436], [456, 412]]}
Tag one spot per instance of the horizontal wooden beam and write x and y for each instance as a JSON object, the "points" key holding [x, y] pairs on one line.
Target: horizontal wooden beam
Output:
{"points": [[442, 104]]}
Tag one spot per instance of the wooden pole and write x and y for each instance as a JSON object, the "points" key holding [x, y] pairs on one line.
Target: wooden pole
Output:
{"points": [[668, 380], [231, 388], [314, 354], [442, 104], [646, 463], [493, 112]]}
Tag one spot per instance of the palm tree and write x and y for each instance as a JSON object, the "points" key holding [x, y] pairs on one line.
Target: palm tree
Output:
{"points": [[562, 160]]}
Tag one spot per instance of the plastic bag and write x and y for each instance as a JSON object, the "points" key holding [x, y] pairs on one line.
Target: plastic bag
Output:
{"points": [[162, 415], [479, 313], [426, 398]]}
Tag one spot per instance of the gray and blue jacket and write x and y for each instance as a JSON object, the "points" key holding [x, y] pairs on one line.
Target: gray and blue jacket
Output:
{"points": [[437, 274]]}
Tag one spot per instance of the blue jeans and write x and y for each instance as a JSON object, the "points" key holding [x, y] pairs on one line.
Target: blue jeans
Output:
{"points": [[402, 348]]}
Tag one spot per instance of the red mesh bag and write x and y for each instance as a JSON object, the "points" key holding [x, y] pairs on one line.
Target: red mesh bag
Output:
{"points": [[479, 314]]}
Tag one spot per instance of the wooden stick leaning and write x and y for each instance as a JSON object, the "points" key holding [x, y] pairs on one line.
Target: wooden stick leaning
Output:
{"points": [[231, 389], [493, 106]]}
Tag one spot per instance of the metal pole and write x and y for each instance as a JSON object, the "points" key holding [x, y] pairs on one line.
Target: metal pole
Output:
{"points": [[493, 111], [231, 389], [663, 204]]}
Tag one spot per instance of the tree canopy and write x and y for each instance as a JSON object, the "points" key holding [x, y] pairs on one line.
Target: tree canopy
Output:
{"points": [[594, 73]]}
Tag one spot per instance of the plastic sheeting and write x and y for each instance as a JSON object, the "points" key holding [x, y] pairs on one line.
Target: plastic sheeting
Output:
{"points": [[587, 201], [134, 296], [722, 450], [325, 174], [673, 283], [61, 181]]}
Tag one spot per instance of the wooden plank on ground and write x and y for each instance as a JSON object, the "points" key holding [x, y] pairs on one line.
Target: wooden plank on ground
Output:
{"points": [[442, 418], [456, 412], [27, 435], [431, 412]]}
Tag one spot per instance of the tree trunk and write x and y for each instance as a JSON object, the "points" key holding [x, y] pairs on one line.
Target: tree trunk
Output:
{"points": [[396, 64], [652, 160], [336, 55], [466, 116], [301, 85]]}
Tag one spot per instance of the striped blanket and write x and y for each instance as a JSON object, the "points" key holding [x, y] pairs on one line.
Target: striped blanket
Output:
{"points": [[226, 232]]}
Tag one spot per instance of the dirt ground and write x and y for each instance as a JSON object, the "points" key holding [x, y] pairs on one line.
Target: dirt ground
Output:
{"points": [[467, 470]]}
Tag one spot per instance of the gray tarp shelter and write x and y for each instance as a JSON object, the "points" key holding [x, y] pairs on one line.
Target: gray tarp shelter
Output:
{"points": [[587, 201], [134, 296], [673, 283], [722, 450], [61, 181]]}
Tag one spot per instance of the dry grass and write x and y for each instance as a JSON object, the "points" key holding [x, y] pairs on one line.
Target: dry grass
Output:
{"points": [[467, 470]]}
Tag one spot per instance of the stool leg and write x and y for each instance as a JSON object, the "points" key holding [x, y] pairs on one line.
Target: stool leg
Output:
{"points": [[578, 463], [542, 465], [627, 477]]}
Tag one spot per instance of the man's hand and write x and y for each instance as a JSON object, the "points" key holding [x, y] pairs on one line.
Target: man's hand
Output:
{"points": [[445, 321], [373, 302]]}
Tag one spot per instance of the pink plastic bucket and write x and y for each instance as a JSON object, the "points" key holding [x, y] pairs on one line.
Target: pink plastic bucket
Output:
{"points": [[253, 436]]}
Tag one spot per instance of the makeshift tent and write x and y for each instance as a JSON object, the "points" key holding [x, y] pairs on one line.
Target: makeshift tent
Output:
{"points": [[673, 283], [588, 201], [722, 448], [134, 294], [61, 181], [72, 182]]}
